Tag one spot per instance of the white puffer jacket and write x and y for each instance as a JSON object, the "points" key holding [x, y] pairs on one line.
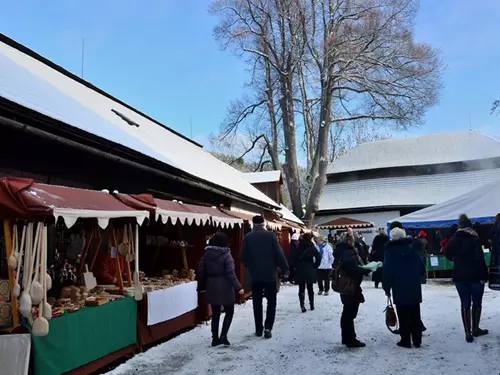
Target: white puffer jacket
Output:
{"points": [[327, 258]]}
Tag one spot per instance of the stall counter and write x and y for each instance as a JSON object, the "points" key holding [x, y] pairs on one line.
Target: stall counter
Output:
{"points": [[79, 338], [164, 312]]}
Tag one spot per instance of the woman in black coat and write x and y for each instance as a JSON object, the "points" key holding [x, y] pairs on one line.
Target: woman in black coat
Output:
{"points": [[217, 269], [306, 263], [469, 274], [377, 254], [347, 257]]}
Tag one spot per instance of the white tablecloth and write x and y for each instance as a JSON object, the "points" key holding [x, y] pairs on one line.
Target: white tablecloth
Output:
{"points": [[166, 304], [15, 354]]}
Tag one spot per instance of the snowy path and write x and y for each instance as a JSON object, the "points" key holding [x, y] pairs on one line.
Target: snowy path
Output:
{"points": [[310, 343]]}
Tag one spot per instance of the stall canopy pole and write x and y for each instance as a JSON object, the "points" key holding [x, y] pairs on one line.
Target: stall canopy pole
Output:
{"points": [[183, 248], [118, 266], [85, 252], [8, 249], [97, 249]]}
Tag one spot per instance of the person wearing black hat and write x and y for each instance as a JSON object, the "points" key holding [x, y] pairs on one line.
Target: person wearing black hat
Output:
{"points": [[469, 274], [262, 255]]}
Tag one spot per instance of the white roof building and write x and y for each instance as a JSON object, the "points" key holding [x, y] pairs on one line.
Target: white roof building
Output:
{"points": [[410, 190], [380, 180], [39, 85], [422, 150]]}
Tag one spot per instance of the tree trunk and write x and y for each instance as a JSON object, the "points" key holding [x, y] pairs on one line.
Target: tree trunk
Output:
{"points": [[287, 109], [320, 164]]}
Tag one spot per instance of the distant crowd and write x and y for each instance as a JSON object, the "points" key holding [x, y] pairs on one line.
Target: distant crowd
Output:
{"points": [[340, 262]]}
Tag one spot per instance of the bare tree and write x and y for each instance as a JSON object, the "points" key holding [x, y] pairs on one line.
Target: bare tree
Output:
{"points": [[333, 65]]}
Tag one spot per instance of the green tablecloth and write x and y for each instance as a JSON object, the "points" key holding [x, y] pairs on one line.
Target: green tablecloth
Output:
{"points": [[79, 338], [446, 265]]}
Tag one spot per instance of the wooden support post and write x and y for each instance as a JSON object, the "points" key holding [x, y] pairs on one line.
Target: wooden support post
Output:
{"points": [[85, 252], [118, 265], [7, 230]]}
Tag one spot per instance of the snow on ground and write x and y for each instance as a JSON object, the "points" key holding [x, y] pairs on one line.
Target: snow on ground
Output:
{"points": [[310, 343]]}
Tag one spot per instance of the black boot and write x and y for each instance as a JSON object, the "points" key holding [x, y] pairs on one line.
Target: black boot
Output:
{"points": [[228, 318], [215, 341], [467, 322], [476, 318], [311, 300], [302, 298]]}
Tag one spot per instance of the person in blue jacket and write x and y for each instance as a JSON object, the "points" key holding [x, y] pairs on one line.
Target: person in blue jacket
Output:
{"points": [[403, 268]]}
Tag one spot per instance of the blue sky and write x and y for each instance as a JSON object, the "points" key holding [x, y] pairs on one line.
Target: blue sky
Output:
{"points": [[162, 59]]}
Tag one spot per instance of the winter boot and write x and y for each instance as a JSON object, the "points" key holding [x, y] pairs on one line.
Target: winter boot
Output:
{"points": [[302, 298], [311, 301], [476, 318], [224, 341], [320, 292], [355, 344], [467, 322], [216, 341]]}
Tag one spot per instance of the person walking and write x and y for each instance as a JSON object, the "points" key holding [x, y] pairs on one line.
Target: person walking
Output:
{"points": [[262, 255], [307, 260], [403, 268], [348, 261], [325, 267], [377, 254], [292, 250], [469, 274], [421, 244], [217, 269]]}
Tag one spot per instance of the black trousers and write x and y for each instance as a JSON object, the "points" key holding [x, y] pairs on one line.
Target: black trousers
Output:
{"points": [[349, 313], [269, 291], [410, 324], [324, 280], [302, 293], [228, 318]]}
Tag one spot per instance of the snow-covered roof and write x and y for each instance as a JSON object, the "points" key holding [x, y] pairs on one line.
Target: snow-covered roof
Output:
{"points": [[263, 177], [481, 205], [34, 84], [422, 190], [422, 150], [289, 215]]}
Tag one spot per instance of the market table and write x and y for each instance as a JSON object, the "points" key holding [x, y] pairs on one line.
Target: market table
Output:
{"points": [[80, 338], [439, 262], [165, 312]]}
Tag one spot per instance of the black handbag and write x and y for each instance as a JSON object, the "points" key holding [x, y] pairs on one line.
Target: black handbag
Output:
{"points": [[341, 282]]}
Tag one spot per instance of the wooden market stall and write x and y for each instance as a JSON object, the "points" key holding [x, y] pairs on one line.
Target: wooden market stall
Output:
{"points": [[80, 338], [175, 240]]}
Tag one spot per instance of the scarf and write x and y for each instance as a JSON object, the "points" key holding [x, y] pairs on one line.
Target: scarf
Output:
{"points": [[468, 230]]}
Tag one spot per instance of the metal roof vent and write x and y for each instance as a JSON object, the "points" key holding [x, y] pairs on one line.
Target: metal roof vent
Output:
{"points": [[125, 118]]}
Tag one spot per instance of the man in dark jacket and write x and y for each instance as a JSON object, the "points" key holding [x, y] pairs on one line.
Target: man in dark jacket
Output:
{"points": [[403, 268], [292, 250], [262, 255], [377, 254], [420, 245], [469, 274]]}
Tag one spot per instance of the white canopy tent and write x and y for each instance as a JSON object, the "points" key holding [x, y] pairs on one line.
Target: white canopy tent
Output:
{"points": [[481, 205]]}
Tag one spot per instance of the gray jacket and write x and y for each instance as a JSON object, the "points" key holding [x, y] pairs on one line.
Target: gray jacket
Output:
{"points": [[262, 255]]}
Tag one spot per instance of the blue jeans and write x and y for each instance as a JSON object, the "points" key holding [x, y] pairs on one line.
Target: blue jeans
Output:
{"points": [[470, 293]]}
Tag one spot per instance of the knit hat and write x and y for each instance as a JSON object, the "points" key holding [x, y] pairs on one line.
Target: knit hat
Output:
{"points": [[422, 233], [258, 220], [295, 237], [219, 239], [464, 221], [395, 224]]}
